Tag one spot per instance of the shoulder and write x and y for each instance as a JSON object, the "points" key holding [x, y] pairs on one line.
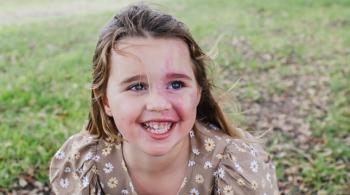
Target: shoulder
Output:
{"points": [[72, 165], [243, 167], [247, 168], [73, 149]]}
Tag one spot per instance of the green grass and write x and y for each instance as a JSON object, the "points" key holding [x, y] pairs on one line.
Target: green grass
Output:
{"points": [[45, 74]]}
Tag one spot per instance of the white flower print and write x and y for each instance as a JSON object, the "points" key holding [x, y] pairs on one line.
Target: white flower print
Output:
{"points": [[194, 191], [108, 168], [228, 140], [67, 170], [191, 163], [183, 183], [209, 145], [228, 190], [85, 181], [60, 155], [217, 137], [220, 173], [112, 182], [106, 151], [199, 178], [64, 183], [89, 156], [110, 139], [253, 151], [240, 182], [254, 166], [195, 151], [254, 185], [238, 167], [208, 165], [96, 158], [80, 170], [124, 191], [191, 133], [131, 187]]}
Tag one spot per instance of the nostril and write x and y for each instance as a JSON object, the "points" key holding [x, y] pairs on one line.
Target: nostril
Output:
{"points": [[157, 102]]}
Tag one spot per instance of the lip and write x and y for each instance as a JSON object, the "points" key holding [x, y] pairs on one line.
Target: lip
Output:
{"points": [[160, 120]]}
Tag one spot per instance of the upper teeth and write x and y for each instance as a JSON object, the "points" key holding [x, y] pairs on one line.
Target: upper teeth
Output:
{"points": [[158, 127]]}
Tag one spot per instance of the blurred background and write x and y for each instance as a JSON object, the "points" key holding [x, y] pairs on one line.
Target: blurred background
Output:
{"points": [[285, 61]]}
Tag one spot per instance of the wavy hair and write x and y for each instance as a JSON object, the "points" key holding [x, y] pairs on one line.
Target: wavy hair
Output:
{"points": [[139, 20]]}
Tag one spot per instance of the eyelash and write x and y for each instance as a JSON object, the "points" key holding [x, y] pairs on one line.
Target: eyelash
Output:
{"points": [[144, 86], [133, 87], [182, 84]]}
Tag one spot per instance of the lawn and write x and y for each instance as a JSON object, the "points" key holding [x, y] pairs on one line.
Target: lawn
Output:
{"points": [[289, 61]]}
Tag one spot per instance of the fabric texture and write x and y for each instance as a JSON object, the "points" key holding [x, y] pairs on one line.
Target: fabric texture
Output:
{"points": [[218, 164]]}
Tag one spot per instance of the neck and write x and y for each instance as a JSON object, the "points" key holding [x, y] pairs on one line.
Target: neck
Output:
{"points": [[139, 162]]}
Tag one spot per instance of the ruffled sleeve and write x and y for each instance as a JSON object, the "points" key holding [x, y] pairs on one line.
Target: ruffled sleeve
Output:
{"points": [[245, 169], [73, 169]]}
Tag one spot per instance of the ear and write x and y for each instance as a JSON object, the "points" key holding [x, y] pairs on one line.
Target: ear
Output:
{"points": [[106, 106]]}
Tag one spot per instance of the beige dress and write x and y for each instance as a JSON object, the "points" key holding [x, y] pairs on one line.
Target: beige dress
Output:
{"points": [[218, 164]]}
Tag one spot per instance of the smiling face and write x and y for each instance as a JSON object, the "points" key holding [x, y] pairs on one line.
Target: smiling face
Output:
{"points": [[152, 93]]}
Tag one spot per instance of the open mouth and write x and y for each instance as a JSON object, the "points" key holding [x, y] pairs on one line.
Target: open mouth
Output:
{"points": [[158, 128]]}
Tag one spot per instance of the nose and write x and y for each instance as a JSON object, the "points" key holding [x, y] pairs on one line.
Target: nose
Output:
{"points": [[157, 102]]}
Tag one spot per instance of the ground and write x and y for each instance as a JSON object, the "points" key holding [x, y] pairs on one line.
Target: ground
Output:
{"points": [[282, 68]]}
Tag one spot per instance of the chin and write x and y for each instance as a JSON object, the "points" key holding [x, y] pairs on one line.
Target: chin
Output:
{"points": [[157, 152]]}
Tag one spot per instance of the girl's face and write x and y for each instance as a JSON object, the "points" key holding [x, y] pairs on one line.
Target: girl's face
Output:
{"points": [[152, 93]]}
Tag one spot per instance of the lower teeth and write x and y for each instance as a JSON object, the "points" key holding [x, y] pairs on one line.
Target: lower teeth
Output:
{"points": [[158, 131]]}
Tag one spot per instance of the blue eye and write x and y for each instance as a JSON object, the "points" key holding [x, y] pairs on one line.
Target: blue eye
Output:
{"points": [[137, 87], [176, 85]]}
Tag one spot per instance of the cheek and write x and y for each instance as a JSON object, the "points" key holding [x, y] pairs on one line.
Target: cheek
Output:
{"points": [[122, 112], [186, 105]]}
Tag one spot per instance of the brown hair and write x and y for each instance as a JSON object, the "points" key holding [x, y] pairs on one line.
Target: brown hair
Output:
{"points": [[140, 20]]}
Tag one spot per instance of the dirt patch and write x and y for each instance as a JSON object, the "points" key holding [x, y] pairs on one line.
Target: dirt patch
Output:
{"points": [[284, 101]]}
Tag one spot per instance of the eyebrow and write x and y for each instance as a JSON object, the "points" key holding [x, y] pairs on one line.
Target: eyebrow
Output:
{"points": [[138, 77], [178, 76], [142, 77]]}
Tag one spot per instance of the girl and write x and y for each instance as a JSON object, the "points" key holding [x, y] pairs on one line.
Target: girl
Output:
{"points": [[154, 125]]}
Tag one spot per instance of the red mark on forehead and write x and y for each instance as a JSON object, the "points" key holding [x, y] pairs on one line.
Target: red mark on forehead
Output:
{"points": [[168, 59], [168, 62]]}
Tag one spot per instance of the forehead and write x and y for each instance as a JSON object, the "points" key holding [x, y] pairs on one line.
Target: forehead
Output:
{"points": [[137, 44], [150, 55]]}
